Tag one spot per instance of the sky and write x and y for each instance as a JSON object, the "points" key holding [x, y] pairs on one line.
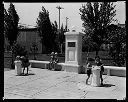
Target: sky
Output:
{"points": [[28, 13]]}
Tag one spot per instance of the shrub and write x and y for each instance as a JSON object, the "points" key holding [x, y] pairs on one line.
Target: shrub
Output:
{"points": [[118, 57], [19, 50], [91, 59]]}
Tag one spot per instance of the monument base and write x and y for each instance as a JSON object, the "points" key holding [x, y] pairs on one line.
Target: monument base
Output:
{"points": [[73, 68]]}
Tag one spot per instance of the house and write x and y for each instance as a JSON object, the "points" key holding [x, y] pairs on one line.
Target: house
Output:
{"points": [[28, 36]]}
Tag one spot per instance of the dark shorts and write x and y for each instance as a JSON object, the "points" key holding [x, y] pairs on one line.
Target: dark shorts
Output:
{"points": [[89, 72], [102, 68], [25, 64]]}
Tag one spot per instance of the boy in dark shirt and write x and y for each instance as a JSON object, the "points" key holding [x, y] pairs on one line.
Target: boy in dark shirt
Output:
{"points": [[25, 62], [89, 71]]}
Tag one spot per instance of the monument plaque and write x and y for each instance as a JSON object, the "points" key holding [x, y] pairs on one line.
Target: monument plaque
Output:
{"points": [[71, 44]]}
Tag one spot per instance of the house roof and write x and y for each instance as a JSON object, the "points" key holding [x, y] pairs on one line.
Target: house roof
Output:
{"points": [[121, 25], [28, 29]]}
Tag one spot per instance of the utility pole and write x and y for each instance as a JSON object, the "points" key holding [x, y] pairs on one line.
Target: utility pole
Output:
{"points": [[59, 8], [67, 24]]}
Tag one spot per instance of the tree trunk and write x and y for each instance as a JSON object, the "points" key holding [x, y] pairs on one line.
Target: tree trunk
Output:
{"points": [[87, 55], [42, 48], [12, 62], [61, 48], [98, 49], [97, 52], [34, 55]]}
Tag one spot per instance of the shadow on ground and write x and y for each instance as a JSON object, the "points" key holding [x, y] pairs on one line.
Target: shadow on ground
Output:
{"points": [[107, 85], [26, 74]]}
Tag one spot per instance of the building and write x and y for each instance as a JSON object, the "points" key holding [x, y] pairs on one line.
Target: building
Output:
{"points": [[27, 36]]}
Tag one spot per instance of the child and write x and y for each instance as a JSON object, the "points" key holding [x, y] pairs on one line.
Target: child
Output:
{"points": [[25, 62], [56, 60], [98, 63], [51, 64], [89, 71]]}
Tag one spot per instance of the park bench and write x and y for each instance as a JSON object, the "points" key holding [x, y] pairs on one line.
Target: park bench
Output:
{"points": [[44, 64], [108, 70], [39, 64], [115, 71]]}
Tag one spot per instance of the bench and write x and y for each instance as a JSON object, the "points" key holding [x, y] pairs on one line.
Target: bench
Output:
{"points": [[108, 70], [113, 70], [44, 64], [39, 64]]}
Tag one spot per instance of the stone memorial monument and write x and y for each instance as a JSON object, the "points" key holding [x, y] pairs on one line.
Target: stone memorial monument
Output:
{"points": [[73, 51]]}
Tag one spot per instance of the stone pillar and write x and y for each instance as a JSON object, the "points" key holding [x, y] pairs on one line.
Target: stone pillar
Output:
{"points": [[18, 67], [95, 76], [73, 52]]}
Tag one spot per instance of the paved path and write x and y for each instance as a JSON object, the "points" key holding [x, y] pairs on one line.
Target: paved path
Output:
{"points": [[45, 84]]}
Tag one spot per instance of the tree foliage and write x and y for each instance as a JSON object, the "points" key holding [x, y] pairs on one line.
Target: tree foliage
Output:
{"points": [[61, 38], [61, 35], [87, 44], [45, 30], [11, 20], [55, 37], [96, 17], [117, 36], [19, 50]]}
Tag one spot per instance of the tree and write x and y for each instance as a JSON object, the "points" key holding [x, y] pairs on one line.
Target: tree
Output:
{"points": [[55, 40], [96, 17], [34, 49], [44, 28], [61, 37], [11, 20], [88, 45], [19, 50], [117, 36]]}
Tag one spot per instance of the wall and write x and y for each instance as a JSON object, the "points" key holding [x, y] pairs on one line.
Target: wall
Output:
{"points": [[27, 37]]}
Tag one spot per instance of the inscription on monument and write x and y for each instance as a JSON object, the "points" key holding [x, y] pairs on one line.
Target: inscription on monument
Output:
{"points": [[71, 44], [71, 56]]}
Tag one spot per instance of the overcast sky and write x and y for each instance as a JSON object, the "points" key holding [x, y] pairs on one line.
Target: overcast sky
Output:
{"points": [[28, 12]]}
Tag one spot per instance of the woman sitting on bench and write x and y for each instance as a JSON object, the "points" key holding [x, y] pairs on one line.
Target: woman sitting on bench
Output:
{"points": [[53, 61], [51, 64]]}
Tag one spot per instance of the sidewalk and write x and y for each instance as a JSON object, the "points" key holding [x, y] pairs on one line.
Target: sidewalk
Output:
{"points": [[46, 84]]}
